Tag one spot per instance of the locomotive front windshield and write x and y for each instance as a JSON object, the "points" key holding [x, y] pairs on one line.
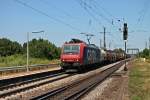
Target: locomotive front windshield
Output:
{"points": [[71, 49]]}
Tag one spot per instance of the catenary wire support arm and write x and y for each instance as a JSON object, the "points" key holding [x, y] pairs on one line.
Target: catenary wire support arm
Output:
{"points": [[88, 36]]}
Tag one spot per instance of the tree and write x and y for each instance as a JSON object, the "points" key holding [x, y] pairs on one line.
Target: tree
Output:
{"points": [[38, 48], [8, 47], [145, 53], [119, 50], [42, 49]]}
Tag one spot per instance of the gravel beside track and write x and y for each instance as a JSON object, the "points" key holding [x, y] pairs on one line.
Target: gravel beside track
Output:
{"points": [[28, 94], [113, 88], [53, 85], [8, 94], [76, 89], [18, 80]]}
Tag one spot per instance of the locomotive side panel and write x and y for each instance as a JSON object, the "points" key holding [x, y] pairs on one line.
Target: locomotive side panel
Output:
{"points": [[91, 56]]}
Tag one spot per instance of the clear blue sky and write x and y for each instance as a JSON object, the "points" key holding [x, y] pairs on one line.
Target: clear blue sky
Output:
{"points": [[72, 18]]}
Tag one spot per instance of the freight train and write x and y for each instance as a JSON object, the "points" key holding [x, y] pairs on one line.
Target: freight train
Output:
{"points": [[77, 54]]}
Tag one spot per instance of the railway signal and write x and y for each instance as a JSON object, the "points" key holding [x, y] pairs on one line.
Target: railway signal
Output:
{"points": [[125, 36], [125, 32]]}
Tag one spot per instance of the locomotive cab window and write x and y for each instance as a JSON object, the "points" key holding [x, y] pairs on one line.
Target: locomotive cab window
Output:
{"points": [[71, 49]]}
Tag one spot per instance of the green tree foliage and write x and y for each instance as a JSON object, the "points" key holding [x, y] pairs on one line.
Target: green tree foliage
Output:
{"points": [[42, 49], [118, 50], [145, 53], [8, 47], [38, 48]]}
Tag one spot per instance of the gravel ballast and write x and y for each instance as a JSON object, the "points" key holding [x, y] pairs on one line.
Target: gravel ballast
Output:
{"points": [[113, 88], [25, 95]]}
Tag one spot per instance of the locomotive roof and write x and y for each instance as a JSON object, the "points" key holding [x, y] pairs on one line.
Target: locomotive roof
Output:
{"points": [[77, 41], [92, 46], [88, 45]]}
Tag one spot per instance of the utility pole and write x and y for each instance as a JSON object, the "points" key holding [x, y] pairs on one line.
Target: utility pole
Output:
{"points": [[104, 38], [145, 44], [149, 46], [100, 43], [104, 32], [109, 45], [27, 66], [27, 52]]}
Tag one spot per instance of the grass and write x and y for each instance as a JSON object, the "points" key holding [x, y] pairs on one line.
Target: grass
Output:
{"points": [[139, 81], [19, 60]]}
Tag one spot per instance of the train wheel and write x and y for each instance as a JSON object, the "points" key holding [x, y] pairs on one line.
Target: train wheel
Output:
{"points": [[81, 69]]}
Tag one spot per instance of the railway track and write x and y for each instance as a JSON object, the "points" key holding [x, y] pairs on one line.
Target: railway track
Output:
{"points": [[5, 83], [25, 84], [71, 90], [79, 88]]}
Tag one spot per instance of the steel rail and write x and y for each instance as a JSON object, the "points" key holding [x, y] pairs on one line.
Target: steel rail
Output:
{"points": [[83, 88], [4, 83], [30, 86], [82, 92], [4, 87]]}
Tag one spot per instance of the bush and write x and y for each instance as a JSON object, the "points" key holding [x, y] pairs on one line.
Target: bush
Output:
{"points": [[20, 60]]}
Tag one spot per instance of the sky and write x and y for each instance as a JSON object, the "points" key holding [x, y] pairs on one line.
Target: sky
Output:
{"points": [[63, 20]]}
